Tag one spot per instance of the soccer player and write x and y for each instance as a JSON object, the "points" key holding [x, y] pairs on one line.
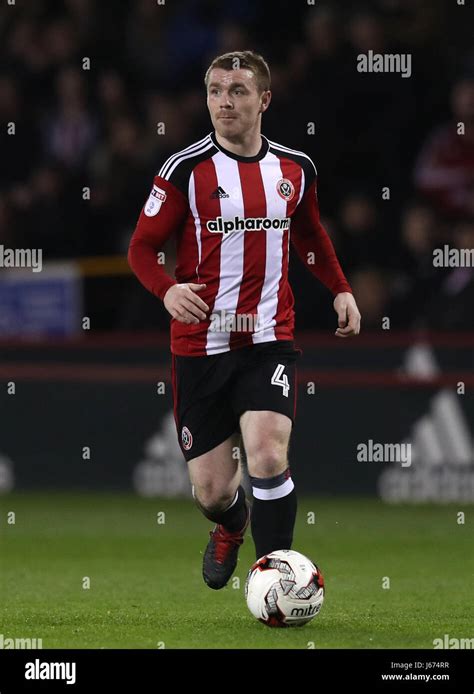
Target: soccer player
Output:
{"points": [[229, 200]]}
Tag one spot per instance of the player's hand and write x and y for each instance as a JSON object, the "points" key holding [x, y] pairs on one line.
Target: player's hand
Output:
{"points": [[348, 315], [184, 304]]}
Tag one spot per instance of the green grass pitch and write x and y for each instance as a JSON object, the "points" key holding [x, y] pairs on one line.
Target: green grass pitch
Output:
{"points": [[146, 589]]}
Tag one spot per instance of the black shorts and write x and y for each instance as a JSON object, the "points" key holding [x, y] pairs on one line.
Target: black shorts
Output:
{"points": [[211, 392]]}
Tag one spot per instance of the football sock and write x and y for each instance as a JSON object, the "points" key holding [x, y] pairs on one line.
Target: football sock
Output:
{"points": [[273, 513], [233, 518]]}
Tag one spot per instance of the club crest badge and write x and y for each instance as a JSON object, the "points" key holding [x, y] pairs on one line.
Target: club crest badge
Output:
{"points": [[186, 438], [285, 189]]}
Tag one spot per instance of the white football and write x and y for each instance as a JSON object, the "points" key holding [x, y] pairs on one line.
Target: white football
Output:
{"points": [[284, 589]]}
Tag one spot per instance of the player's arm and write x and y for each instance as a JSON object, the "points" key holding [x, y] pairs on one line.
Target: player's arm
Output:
{"points": [[163, 215], [315, 249]]}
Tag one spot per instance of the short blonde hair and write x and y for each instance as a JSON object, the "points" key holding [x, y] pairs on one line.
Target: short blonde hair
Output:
{"points": [[245, 60]]}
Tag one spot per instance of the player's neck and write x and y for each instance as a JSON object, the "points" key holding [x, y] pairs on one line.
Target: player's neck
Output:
{"points": [[248, 145]]}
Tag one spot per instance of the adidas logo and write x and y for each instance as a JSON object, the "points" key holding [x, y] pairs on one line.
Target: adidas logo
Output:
{"points": [[442, 450], [219, 193]]}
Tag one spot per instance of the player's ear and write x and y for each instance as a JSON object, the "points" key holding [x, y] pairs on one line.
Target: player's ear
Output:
{"points": [[265, 101]]}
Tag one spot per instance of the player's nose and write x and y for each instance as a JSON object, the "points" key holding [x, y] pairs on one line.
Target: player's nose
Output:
{"points": [[225, 102]]}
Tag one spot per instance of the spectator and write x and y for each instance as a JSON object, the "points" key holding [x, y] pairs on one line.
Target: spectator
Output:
{"points": [[414, 277], [452, 307], [18, 136], [70, 131], [360, 237], [444, 172], [372, 292]]}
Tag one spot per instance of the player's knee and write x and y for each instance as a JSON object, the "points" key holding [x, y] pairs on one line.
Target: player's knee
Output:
{"points": [[267, 461], [211, 499]]}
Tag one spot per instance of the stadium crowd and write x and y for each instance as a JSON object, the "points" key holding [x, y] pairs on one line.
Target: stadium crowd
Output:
{"points": [[101, 94]]}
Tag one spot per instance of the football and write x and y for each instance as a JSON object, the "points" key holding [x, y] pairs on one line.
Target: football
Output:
{"points": [[284, 589]]}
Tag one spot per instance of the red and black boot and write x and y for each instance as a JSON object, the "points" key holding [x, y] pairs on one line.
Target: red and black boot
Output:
{"points": [[220, 557]]}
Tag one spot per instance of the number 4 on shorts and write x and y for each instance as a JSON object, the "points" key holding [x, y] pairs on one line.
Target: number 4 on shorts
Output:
{"points": [[279, 380]]}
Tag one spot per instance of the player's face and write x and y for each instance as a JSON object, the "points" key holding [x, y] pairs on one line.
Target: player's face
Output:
{"points": [[235, 102]]}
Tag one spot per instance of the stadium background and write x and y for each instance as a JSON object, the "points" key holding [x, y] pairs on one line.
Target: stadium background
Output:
{"points": [[99, 98]]}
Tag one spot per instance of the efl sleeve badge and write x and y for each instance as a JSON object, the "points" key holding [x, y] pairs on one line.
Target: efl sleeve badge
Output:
{"points": [[155, 201]]}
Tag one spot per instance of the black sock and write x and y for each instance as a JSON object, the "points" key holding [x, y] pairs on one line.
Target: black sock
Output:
{"points": [[234, 517], [273, 520]]}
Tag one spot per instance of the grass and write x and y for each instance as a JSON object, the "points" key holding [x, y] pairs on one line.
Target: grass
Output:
{"points": [[146, 589]]}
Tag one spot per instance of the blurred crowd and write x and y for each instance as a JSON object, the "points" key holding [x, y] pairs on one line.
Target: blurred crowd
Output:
{"points": [[89, 85]]}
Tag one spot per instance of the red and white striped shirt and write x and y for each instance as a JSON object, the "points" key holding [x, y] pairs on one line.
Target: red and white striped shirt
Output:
{"points": [[231, 217]]}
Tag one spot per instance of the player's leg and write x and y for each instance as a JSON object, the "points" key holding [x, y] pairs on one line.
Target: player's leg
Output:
{"points": [[216, 478], [264, 398], [208, 431], [266, 436]]}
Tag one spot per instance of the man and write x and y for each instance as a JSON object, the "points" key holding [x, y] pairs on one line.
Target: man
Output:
{"points": [[229, 200], [444, 170]]}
